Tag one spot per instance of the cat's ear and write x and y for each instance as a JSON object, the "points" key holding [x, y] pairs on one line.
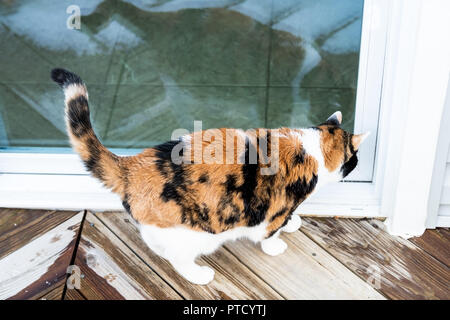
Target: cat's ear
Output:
{"points": [[357, 139], [335, 119]]}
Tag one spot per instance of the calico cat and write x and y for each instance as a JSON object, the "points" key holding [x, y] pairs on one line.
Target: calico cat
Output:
{"points": [[187, 208]]}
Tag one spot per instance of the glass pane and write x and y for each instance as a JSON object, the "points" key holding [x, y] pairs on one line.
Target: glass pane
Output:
{"points": [[154, 66]]}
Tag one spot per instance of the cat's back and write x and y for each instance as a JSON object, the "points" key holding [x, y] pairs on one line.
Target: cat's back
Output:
{"points": [[213, 181]]}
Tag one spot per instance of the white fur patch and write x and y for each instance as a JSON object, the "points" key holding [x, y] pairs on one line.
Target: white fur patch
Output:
{"points": [[312, 146], [74, 90], [176, 242]]}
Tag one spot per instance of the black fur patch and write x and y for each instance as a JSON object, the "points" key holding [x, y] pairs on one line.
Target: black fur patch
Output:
{"points": [[284, 223], [92, 164], [255, 208], [165, 149], [203, 178], [164, 156], [332, 122], [78, 116], [235, 218], [230, 184], [299, 158], [204, 213], [225, 202], [349, 165], [278, 214], [64, 77], [125, 204], [350, 144], [300, 189], [272, 233], [176, 188]]}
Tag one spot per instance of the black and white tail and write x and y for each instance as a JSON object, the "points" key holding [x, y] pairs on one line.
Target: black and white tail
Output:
{"points": [[102, 163]]}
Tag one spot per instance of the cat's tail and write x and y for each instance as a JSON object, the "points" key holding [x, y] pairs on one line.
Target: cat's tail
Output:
{"points": [[101, 162]]}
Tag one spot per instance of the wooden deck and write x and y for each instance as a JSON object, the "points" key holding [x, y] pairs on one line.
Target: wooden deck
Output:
{"points": [[326, 259]]}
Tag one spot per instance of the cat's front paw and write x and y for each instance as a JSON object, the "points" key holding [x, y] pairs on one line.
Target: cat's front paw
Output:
{"points": [[293, 225], [273, 247]]}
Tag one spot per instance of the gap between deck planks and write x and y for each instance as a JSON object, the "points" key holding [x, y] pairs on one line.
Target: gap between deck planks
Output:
{"points": [[436, 243]]}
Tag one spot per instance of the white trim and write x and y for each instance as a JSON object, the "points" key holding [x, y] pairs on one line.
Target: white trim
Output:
{"points": [[67, 192], [444, 211], [370, 79], [59, 161], [439, 193], [41, 163], [443, 221], [415, 83], [343, 199]]}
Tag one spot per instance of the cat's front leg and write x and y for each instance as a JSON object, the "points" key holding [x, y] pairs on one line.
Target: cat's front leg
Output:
{"points": [[294, 223], [273, 246]]}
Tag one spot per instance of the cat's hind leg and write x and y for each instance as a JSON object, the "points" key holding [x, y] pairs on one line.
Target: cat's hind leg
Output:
{"points": [[273, 246], [181, 246], [294, 223]]}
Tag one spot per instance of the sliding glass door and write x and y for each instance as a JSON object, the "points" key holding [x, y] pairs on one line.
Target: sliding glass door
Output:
{"points": [[155, 66]]}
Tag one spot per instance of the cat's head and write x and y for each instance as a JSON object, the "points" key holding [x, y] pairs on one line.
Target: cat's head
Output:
{"points": [[339, 147]]}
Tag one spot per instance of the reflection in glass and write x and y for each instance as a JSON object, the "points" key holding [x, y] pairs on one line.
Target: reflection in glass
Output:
{"points": [[154, 66]]}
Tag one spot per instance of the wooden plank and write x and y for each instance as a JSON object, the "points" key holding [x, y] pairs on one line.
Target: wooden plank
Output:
{"points": [[112, 271], [39, 266], [232, 280], [55, 294], [400, 269], [436, 242], [73, 294], [19, 226], [303, 271]]}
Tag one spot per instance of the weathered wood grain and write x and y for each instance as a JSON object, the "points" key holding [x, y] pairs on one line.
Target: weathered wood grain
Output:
{"points": [[39, 266], [437, 243], [232, 280], [55, 294], [19, 226], [73, 294], [303, 271], [112, 271], [329, 259], [397, 267]]}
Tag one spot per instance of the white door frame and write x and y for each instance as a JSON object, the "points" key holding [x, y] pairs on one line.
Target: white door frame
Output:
{"points": [[414, 89]]}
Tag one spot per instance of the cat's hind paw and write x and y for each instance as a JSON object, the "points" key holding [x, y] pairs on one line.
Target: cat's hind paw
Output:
{"points": [[196, 274], [293, 225], [273, 246], [203, 275]]}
